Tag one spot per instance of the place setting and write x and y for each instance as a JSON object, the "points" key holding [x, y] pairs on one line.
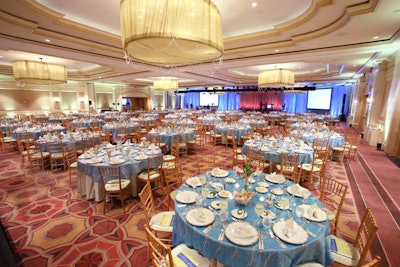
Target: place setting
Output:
{"points": [[290, 231], [200, 216], [275, 178]]}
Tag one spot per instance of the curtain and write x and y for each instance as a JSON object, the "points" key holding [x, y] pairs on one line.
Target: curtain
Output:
{"points": [[295, 103], [260, 100], [339, 103], [229, 101]]}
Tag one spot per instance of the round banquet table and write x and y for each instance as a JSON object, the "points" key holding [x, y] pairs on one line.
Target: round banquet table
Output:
{"points": [[272, 149], [89, 181], [239, 131], [316, 248]]}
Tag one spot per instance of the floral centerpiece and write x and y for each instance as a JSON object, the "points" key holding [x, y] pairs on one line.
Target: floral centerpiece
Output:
{"points": [[246, 171]]}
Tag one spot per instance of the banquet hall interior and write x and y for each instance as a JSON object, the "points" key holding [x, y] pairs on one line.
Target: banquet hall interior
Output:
{"points": [[101, 100]]}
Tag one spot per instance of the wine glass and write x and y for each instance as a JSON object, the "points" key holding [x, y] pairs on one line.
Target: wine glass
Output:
{"points": [[202, 180], [109, 154], [267, 222], [199, 200], [300, 211], [259, 209], [204, 192], [223, 204], [223, 216], [127, 151]]}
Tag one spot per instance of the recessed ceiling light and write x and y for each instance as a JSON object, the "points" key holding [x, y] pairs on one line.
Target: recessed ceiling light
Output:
{"points": [[47, 40], [276, 50], [254, 4], [375, 37]]}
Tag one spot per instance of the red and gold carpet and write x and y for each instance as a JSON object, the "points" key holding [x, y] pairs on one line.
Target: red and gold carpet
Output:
{"points": [[49, 224]]}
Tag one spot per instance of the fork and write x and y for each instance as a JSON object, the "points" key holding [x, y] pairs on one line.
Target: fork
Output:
{"points": [[222, 234], [272, 235]]}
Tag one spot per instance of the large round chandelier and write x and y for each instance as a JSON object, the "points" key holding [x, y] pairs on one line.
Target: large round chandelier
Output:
{"points": [[276, 78], [166, 84], [36, 72], [171, 32]]}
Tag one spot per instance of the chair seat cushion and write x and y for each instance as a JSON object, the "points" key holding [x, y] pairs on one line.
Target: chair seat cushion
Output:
{"points": [[169, 157], [168, 164], [352, 255], [153, 175], [57, 155], [308, 167], [195, 257], [162, 221], [113, 185]]}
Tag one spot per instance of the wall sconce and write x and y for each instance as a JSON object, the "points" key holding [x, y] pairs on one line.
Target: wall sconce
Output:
{"points": [[57, 99]]}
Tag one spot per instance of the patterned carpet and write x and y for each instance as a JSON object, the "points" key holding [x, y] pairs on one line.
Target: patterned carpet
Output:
{"points": [[49, 224]]}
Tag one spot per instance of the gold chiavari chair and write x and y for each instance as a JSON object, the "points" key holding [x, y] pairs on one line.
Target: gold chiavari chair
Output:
{"points": [[113, 185]]}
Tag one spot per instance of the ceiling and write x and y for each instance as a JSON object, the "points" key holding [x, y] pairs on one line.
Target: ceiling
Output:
{"points": [[323, 41]]}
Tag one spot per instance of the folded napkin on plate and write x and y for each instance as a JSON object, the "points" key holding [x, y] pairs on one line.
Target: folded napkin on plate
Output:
{"points": [[295, 189], [200, 215], [244, 231], [288, 230], [312, 211], [216, 171], [193, 182]]}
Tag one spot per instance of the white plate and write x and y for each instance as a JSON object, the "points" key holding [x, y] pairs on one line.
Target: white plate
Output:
{"points": [[277, 191], [117, 161], [215, 204], [269, 214], [152, 152], [216, 185], [115, 152], [224, 193], [241, 233], [275, 178], [263, 184], [195, 181], [279, 206], [318, 216], [236, 213], [186, 196], [261, 189], [141, 157], [299, 192], [200, 217], [94, 160], [230, 180], [299, 236], [220, 174]]}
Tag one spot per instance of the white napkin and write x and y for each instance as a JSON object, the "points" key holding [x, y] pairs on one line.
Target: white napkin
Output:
{"points": [[199, 215], [313, 211], [194, 182], [216, 171], [244, 231], [289, 230]]}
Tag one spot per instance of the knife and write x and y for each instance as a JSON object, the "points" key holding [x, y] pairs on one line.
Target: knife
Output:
{"points": [[208, 229]]}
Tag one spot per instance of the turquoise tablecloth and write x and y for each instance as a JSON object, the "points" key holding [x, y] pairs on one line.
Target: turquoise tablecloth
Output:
{"points": [[130, 167], [316, 248], [272, 153]]}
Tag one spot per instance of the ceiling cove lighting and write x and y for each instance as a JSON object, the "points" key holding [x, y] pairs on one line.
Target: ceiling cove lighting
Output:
{"points": [[36, 72], [166, 84], [276, 78], [171, 32]]}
